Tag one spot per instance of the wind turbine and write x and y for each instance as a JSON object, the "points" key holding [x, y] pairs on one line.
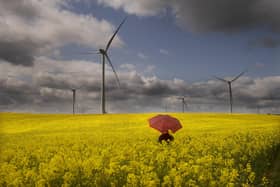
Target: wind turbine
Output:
{"points": [[72, 88], [229, 82], [104, 55], [183, 103], [74, 99], [74, 91]]}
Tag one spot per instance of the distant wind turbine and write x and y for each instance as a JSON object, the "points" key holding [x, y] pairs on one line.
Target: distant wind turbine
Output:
{"points": [[104, 55], [183, 103], [229, 82], [74, 91], [74, 99], [72, 88]]}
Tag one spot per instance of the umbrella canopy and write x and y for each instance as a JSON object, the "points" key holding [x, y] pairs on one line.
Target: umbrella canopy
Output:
{"points": [[163, 123]]}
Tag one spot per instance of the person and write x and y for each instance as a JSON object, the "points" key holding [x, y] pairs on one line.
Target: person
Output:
{"points": [[165, 137]]}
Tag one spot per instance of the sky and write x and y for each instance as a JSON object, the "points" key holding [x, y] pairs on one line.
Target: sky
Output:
{"points": [[166, 49]]}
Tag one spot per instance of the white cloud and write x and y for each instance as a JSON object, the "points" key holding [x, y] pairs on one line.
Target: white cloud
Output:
{"points": [[137, 7], [142, 55], [129, 67], [150, 69]]}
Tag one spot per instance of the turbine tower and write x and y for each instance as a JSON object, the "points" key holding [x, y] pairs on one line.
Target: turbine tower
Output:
{"points": [[104, 56], [183, 103], [74, 99], [74, 91], [229, 82]]}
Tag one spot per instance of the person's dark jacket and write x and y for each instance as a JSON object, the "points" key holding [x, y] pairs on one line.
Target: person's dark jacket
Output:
{"points": [[166, 137]]}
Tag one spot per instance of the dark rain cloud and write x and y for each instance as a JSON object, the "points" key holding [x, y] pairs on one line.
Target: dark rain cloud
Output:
{"points": [[216, 15], [14, 48], [14, 92], [18, 52], [227, 15], [209, 15], [33, 28]]}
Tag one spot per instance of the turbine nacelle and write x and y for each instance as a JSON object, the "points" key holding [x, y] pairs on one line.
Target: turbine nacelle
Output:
{"points": [[102, 51]]}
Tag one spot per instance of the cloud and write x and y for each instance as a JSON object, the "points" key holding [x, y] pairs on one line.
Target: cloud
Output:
{"points": [[140, 8], [30, 29], [209, 16], [15, 93], [142, 55], [149, 69], [128, 66], [164, 51], [18, 52], [46, 87], [216, 15]]}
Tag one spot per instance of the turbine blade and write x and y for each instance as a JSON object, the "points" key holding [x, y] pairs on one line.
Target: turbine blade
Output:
{"points": [[117, 78], [220, 79], [110, 41], [88, 53], [238, 76], [95, 50]]}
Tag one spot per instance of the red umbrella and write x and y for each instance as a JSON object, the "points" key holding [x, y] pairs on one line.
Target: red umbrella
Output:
{"points": [[163, 123]]}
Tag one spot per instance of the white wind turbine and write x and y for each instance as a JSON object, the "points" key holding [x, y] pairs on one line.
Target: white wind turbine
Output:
{"points": [[104, 55], [184, 103], [229, 82], [71, 87], [74, 91]]}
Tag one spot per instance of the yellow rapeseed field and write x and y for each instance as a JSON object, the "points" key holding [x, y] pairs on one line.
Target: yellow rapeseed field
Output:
{"points": [[122, 150]]}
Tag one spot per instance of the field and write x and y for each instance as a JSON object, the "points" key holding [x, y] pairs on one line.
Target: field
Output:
{"points": [[121, 150]]}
